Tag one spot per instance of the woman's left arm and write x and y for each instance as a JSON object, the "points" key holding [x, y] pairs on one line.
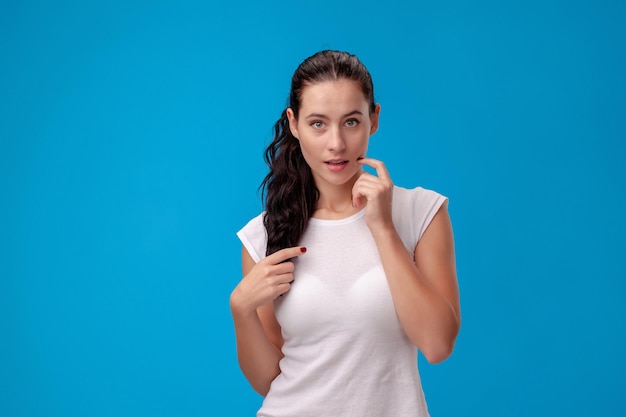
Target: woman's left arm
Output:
{"points": [[425, 291]]}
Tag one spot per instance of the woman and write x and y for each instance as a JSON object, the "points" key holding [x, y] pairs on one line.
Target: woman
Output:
{"points": [[345, 275]]}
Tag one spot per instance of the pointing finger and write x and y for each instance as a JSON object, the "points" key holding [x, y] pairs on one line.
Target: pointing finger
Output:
{"points": [[285, 254]]}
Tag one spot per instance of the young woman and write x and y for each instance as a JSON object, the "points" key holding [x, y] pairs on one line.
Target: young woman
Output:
{"points": [[345, 275]]}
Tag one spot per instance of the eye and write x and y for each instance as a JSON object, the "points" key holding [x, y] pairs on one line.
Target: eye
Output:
{"points": [[352, 122], [317, 124]]}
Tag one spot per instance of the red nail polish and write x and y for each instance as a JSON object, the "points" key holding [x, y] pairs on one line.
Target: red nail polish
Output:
{"points": [[303, 249]]}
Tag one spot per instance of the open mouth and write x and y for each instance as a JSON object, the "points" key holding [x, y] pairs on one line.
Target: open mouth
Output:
{"points": [[337, 162]]}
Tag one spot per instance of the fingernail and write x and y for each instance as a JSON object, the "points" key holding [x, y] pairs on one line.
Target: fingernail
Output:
{"points": [[303, 249]]}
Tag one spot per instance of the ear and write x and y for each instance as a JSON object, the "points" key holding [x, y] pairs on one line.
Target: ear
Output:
{"points": [[374, 119], [293, 123]]}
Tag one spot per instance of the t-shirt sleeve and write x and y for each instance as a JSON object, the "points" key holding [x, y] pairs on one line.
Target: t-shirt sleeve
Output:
{"points": [[413, 210], [254, 238], [427, 204]]}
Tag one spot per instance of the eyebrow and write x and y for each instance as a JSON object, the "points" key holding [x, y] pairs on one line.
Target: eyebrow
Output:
{"points": [[323, 116]]}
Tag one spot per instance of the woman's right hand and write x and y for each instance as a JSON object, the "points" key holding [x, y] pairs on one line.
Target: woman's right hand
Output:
{"points": [[265, 280]]}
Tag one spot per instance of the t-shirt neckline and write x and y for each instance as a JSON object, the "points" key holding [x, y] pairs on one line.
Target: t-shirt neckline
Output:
{"points": [[337, 222]]}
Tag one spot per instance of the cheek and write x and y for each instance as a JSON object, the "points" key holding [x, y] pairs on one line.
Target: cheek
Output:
{"points": [[311, 145], [307, 151], [361, 139]]}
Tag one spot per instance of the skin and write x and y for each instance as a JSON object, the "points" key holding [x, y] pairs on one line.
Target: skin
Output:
{"points": [[335, 124]]}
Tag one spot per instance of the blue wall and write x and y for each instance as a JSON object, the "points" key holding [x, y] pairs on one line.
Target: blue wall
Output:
{"points": [[131, 137]]}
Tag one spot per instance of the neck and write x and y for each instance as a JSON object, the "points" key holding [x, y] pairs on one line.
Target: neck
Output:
{"points": [[335, 202]]}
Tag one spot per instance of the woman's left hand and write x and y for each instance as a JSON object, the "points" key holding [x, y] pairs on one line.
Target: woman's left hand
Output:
{"points": [[377, 192]]}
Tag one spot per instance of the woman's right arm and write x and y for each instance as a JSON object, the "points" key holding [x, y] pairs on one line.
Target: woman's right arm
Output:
{"points": [[257, 332]]}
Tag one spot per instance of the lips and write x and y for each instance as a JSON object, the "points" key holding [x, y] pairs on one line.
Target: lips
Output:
{"points": [[337, 162], [337, 165]]}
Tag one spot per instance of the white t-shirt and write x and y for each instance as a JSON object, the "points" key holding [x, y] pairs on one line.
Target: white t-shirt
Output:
{"points": [[345, 352]]}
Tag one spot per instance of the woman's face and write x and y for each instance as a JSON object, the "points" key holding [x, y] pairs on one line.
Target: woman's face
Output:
{"points": [[333, 127]]}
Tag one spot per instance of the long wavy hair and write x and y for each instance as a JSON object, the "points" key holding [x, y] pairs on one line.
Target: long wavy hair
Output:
{"points": [[288, 190]]}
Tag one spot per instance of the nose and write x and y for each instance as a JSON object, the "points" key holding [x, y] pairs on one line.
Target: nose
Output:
{"points": [[336, 141]]}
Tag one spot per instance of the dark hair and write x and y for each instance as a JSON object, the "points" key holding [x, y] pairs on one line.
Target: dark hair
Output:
{"points": [[289, 190]]}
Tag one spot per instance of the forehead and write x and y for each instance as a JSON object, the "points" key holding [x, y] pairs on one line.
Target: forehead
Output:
{"points": [[327, 97]]}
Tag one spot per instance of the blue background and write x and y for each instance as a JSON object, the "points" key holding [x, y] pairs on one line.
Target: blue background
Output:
{"points": [[131, 140]]}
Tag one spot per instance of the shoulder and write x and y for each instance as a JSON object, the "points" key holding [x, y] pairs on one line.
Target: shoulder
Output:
{"points": [[416, 195], [413, 210], [254, 237]]}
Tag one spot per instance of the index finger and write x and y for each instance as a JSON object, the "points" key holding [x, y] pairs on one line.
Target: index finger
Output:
{"points": [[379, 166], [285, 254]]}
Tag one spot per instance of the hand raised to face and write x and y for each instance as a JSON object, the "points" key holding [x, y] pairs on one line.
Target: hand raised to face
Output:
{"points": [[376, 191]]}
